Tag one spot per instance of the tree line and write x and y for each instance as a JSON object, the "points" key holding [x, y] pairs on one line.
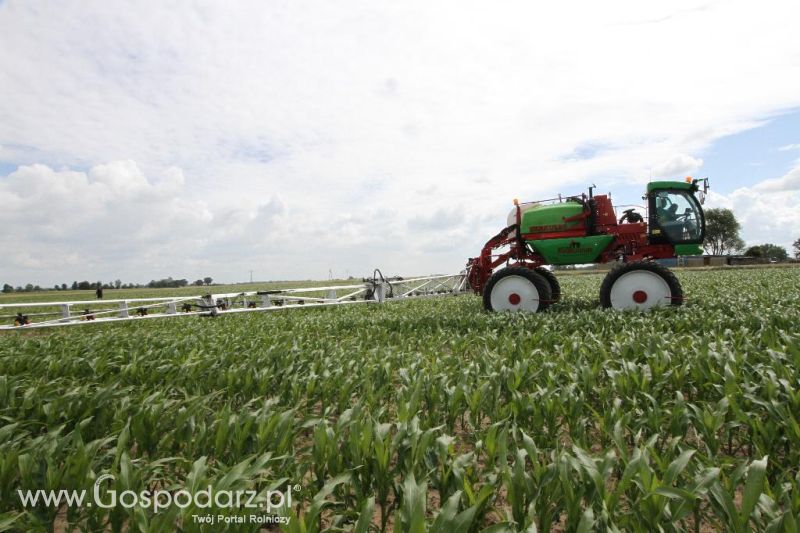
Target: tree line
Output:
{"points": [[722, 238], [165, 283]]}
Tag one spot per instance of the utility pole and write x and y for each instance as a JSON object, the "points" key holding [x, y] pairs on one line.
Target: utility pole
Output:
{"points": [[251, 276]]}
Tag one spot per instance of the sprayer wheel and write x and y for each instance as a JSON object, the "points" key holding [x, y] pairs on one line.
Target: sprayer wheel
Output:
{"points": [[517, 289], [640, 285]]}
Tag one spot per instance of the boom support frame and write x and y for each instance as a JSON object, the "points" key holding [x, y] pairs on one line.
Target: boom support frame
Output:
{"points": [[371, 291]]}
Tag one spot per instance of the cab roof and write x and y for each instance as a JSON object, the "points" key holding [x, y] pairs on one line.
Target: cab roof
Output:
{"points": [[680, 185]]}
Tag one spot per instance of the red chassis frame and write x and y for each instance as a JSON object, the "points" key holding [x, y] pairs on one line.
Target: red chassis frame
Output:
{"points": [[630, 242]]}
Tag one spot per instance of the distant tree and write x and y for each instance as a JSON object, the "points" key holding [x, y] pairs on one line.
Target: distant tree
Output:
{"points": [[18, 289], [57, 287], [207, 280], [117, 283], [796, 247], [773, 252], [167, 283], [7, 288], [84, 286], [722, 232], [63, 286], [198, 282], [74, 285], [29, 287], [37, 288]]}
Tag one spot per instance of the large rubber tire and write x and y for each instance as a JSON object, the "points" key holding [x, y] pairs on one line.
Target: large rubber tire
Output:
{"points": [[517, 289], [555, 286], [640, 285]]}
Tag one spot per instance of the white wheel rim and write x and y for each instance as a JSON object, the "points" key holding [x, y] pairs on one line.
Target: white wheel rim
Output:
{"points": [[640, 289], [514, 293]]}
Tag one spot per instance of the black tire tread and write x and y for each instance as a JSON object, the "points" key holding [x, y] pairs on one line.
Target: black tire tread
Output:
{"points": [[555, 286]]}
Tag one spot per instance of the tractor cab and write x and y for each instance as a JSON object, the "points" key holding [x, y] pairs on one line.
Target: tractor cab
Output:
{"points": [[675, 215]]}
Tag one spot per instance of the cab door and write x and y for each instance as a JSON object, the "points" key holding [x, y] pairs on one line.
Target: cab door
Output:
{"points": [[675, 217]]}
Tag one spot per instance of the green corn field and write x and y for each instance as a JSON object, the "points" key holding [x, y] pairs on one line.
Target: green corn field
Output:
{"points": [[427, 415]]}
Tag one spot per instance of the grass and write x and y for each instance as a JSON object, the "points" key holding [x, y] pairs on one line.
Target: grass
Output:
{"points": [[426, 414]]}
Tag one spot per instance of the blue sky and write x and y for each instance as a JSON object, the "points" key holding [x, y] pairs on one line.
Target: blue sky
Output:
{"points": [[201, 139], [768, 150], [754, 155]]}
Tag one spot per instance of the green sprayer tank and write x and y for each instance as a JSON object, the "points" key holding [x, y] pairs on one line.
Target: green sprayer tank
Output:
{"points": [[543, 219]]}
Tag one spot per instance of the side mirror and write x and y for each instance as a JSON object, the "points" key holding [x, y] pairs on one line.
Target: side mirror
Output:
{"points": [[701, 194]]}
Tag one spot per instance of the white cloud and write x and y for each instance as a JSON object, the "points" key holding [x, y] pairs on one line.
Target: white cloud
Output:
{"points": [[767, 210], [789, 147], [789, 182], [113, 222], [358, 119], [94, 223], [679, 165]]}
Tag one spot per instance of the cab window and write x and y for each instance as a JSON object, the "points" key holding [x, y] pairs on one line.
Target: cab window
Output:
{"points": [[677, 217]]}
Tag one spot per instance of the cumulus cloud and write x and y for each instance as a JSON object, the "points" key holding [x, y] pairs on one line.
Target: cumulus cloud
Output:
{"points": [[788, 182], [767, 210], [679, 165], [291, 138], [112, 221]]}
